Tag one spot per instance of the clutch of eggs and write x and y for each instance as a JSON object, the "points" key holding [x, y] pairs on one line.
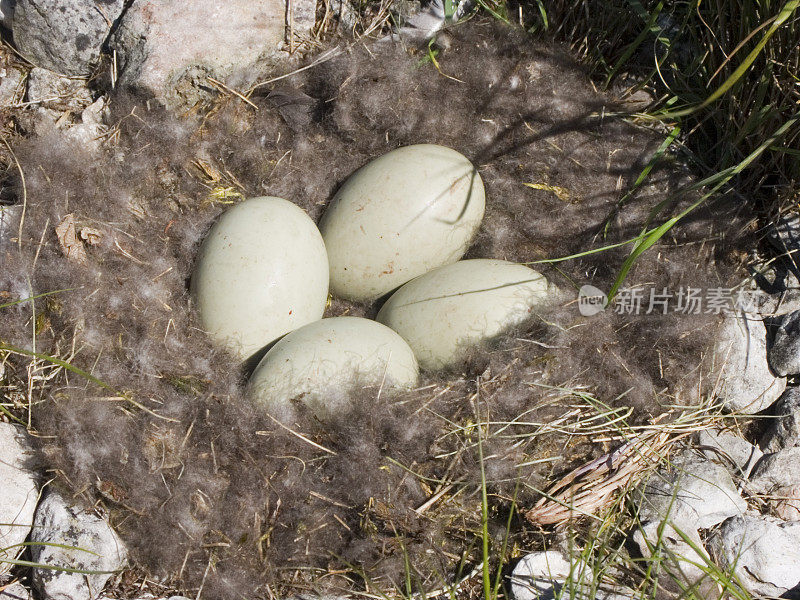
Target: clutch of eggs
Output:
{"points": [[317, 365], [262, 271], [399, 216], [447, 311]]}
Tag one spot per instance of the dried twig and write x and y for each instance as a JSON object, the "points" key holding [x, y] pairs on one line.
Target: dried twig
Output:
{"points": [[591, 486]]}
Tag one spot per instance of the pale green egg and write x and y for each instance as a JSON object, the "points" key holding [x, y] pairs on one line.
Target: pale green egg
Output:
{"points": [[447, 311], [261, 272], [318, 365], [401, 215]]}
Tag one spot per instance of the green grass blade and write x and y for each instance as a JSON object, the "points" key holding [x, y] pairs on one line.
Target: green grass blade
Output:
{"points": [[7, 413], [626, 55], [648, 238], [57, 361], [35, 565], [657, 155], [23, 300], [791, 151], [500, 17], [787, 11], [543, 13], [487, 579]]}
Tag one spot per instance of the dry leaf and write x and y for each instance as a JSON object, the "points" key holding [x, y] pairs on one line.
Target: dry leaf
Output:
{"points": [[71, 246], [91, 236]]}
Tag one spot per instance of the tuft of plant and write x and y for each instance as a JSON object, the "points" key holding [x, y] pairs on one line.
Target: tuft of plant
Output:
{"points": [[725, 77]]}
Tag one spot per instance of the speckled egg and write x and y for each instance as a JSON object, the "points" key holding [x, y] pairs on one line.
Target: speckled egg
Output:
{"points": [[445, 312], [316, 366], [401, 215], [262, 271]]}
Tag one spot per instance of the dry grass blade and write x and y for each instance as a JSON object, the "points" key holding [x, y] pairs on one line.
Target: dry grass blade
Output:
{"points": [[230, 90], [591, 486]]}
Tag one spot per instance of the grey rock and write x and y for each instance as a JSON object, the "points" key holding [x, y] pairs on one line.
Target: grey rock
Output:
{"points": [[785, 236], [678, 559], [12, 89], [19, 491], [785, 502], [346, 12], [64, 36], [784, 430], [784, 354], [778, 469], [15, 591], [430, 18], [7, 12], [91, 546], [691, 493], [777, 477], [729, 449], [167, 52], [763, 551], [779, 292], [746, 383]]}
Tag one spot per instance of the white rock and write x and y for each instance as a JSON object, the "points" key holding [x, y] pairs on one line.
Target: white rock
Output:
{"points": [[11, 88], [549, 575], [785, 502], [346, 12], [729, 449], [92, 546], [537, 575], [692, 493], [746, 384], [88, 134], [56, 96], [764, 551], [164, 49], [19, 491], [50, 89], [784, 295], [678, 559], [15, 591], [778, 469]]}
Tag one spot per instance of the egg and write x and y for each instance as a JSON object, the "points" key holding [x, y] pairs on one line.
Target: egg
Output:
{"points": [[401, 215], [261, 272], [445, 312], [320, 363]]}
